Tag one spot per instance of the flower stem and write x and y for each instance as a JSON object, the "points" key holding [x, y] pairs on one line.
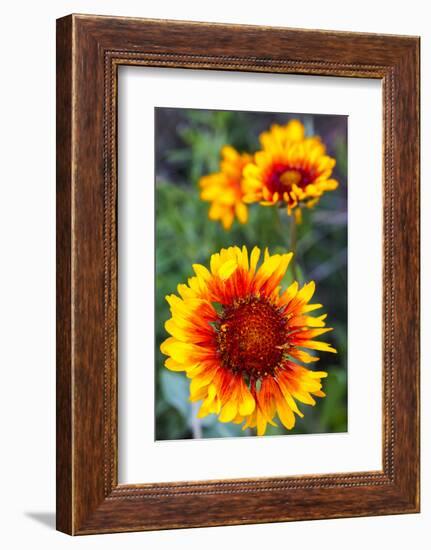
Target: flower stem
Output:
{"points": [[291, 244], [196, 422], [253, 431], [293, 240]]}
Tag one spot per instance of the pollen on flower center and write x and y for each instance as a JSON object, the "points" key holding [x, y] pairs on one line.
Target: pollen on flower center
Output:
{"points": [[290, 177], [250, 337]]}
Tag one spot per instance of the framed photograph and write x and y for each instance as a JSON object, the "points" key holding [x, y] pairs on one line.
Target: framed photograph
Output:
{"points": [[237, 274]]}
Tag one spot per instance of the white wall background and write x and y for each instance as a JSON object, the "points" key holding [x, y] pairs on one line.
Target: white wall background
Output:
{"points": [[27, 280]]}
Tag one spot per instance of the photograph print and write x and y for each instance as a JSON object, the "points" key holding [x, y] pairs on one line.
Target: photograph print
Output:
{"points": [[250, 274]]}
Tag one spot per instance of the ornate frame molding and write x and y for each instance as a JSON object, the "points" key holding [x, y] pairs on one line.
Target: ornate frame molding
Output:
{"points": [[89, 498]]}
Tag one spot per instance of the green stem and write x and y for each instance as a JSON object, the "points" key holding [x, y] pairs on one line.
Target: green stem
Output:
{"points": [[253, 431], [293, 240], [291, 245]]}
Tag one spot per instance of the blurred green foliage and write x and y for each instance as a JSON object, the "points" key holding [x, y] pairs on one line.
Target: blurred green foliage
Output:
{"points": [[188, 144]]}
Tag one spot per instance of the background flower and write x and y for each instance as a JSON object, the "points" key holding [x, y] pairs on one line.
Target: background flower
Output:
{"points": [[290, 168], [188, 144], [224, 188]]}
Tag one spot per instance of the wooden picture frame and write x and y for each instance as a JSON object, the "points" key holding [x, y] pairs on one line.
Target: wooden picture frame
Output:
{"points": [[89, 52]]}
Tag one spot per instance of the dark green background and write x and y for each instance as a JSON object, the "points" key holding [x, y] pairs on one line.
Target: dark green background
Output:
{"points": [[188, 144]]}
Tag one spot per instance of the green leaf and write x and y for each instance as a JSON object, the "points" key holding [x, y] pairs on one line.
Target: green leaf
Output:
{"points": [[220, 429], [175, 388]]}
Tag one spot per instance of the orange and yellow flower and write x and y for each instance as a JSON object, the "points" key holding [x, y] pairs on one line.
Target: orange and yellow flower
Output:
{"points": [[241, 339], [223, 189], [290, 169]]}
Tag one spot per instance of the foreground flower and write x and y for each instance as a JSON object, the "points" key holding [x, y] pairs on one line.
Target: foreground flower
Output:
{"points": [[290, 169], [224, 189], [239, 339]]}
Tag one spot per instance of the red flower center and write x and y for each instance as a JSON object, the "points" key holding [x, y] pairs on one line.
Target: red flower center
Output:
{"points": [[280, 178], [250, 336]]}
